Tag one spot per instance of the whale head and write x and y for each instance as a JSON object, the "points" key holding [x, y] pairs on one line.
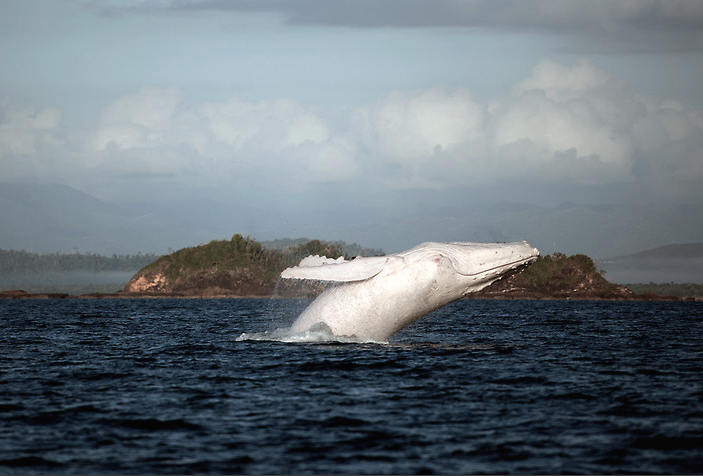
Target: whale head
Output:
{"points": [[469, 267]]}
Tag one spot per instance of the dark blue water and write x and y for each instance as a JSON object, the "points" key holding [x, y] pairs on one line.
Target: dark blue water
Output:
{"points": [[163, 386]]}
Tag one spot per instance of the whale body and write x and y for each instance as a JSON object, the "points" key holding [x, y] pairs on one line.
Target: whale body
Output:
{"points": [[378, 296]]}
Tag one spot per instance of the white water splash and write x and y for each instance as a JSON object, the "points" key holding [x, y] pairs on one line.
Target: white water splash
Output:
{"points": [[319, 333]]}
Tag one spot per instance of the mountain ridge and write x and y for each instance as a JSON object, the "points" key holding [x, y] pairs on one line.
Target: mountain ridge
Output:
{"points": [[674, 263], [671, 251], [50, 218], [56, 218]]}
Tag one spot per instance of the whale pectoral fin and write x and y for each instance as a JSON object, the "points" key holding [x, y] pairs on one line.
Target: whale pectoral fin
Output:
{"points": [[358, 269]]}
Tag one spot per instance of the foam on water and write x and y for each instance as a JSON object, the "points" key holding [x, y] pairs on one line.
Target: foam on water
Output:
{"points": [[319, 333]]}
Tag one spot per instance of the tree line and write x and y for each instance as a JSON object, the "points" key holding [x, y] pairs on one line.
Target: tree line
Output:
{"points": [[25, 262], [682, 290], [238, 251], [349, 250]]}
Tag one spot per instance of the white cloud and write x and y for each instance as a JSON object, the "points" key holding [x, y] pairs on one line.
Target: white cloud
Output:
{"points": [[233, 140], [151, 107], [32, 144], [564, 124], [232, 121], [24, 130], [271, 125], [408, 128], [561, 124], [562, 83], [139, 120], [559, 116], [334, 160]]}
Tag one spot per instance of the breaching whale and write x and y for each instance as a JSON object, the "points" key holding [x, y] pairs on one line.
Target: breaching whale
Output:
{"points": [[378, 296]]}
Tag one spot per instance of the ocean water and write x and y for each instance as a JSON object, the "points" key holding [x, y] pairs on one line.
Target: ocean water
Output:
{"points": [[172, 386]]}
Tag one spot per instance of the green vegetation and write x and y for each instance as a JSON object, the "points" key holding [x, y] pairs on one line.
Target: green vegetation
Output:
{"points": [[314, 247], [682, 290], [241, 265], [563, 276], [566, 271], [77, 273], [24, 262], [70, 289], [220, 256], [346, 249]]}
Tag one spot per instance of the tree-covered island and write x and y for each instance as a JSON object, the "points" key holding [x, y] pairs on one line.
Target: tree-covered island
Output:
{"points": [[244, 267]]}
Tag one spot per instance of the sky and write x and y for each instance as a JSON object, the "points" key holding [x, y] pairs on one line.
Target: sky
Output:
{"points": [[276, 112]]}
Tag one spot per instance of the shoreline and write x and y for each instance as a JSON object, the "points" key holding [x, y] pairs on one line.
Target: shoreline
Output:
{"points": [[19, 294]]}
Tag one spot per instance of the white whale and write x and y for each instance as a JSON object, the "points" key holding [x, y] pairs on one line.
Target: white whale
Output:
{"points": [[379, 296]]}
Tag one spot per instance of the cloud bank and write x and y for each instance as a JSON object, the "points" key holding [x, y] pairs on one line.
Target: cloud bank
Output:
{"points": [[561, 125], [629, 25]]}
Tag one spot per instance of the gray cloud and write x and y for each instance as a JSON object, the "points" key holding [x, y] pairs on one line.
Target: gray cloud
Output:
{"points": [[596, 26]]}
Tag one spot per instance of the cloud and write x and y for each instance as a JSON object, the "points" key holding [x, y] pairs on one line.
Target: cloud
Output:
{"points": [[561, 126], [568, 117], [148, 118], [233, 140], [669, 137], [629, 25], [551, 15], [29, 141], [409, 127], [23, 130]]}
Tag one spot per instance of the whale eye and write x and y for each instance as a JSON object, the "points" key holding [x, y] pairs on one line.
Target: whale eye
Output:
{"points": [[441, 258]]}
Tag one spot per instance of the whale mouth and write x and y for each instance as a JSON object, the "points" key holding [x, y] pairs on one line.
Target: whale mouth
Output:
{"points": [[482, 259], [510, 267]]}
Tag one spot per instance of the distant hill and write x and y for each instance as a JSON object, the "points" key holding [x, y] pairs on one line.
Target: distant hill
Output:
{"points": [[684, 251], [49, 218], [684, 290], [677, 263], [598, 231]]}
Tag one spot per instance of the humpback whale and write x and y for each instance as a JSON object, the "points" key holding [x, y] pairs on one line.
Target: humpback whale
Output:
{"points": [[378, 296]]}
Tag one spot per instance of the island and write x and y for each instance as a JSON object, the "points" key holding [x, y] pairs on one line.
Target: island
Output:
{"points": [[243, 267]]}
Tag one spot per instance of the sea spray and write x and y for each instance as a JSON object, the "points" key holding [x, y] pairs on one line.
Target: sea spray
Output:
{"points": [[320, 333], [289, 299]]}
